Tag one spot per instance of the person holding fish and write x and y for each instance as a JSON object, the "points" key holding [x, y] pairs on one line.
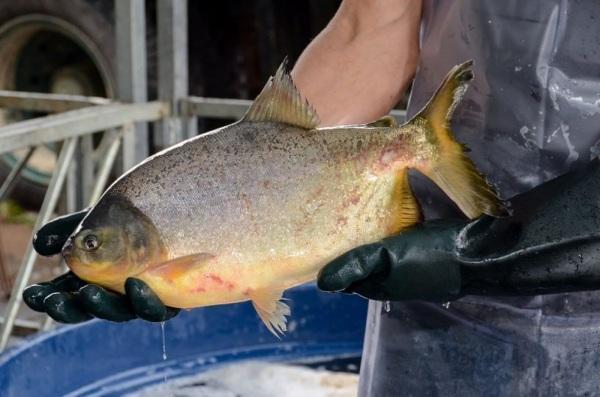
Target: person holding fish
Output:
{"points": [[502, 303]]}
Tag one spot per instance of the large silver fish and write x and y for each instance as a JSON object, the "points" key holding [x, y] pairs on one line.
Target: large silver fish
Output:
{"points": [[254, 208]]}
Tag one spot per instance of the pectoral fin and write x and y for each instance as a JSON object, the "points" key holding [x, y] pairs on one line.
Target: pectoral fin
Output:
{"points": [[174, 268], [271, 309]]}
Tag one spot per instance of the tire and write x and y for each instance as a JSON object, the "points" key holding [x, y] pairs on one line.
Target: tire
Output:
{"points": [[90, 23]]}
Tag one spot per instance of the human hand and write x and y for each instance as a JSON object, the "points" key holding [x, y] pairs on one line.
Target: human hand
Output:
{"points": [[420, 263], [68, 299]]}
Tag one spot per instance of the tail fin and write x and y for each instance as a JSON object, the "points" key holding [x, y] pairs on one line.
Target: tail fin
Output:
{"points": [[452, 170]]}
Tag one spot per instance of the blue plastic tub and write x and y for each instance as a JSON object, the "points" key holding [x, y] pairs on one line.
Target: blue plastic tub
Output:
{"points": [[107, 359]]}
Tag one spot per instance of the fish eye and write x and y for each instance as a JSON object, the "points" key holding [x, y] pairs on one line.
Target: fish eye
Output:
{"points": [[91, 242]]}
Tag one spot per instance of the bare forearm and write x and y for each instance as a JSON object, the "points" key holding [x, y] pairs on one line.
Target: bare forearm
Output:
{"points": [[358, 67]]}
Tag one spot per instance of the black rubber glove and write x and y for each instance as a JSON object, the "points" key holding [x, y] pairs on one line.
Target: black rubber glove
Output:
{"points": [[550, 244], [418, 264], [68, 299]]}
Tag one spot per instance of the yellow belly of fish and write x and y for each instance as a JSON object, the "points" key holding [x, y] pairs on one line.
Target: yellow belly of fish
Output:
{"points": [[371, 212], [219, 281]]}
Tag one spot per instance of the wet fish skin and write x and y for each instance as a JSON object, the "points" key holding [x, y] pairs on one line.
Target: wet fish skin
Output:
{"points": [[342, 192], [251, 209]]}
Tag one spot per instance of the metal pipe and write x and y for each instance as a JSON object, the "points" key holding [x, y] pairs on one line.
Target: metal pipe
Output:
{"points": [[12, 178], [73, 123], [105, 168], [19, 322], [224, 108], [5, 279], [399, 114], [130, 31], [50, 200], [86, 170], [72, 191], [172, 69], [214, 107], [103, 145], [43, 102]]}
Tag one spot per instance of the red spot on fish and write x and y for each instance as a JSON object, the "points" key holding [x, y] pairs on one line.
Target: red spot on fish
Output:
{"points": [[214, 278], [384, 162], [391, 158], [219, 281], [199, 289], [342, 221], [353, 198]]}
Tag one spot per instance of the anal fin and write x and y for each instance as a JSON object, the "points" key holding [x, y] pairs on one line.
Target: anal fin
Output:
{"points": [[408, 212], [271, 310]]}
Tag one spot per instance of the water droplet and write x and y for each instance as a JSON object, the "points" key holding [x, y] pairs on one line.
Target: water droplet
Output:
{"points": [[446, 305], [164, 344], [164, 348], [387, 306]]}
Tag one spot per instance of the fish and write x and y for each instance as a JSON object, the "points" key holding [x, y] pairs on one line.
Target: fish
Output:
{"points": [[249, 210]]}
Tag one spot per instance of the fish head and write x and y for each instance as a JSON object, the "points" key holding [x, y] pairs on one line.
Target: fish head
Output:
{"points": [[114, 241]]}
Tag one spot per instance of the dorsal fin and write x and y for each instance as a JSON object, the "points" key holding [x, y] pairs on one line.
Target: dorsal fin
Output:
{"points": [[280, 101], [386, 121]]}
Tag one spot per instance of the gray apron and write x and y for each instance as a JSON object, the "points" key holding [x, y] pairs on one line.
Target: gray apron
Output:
{"points": [[531, 114]]}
